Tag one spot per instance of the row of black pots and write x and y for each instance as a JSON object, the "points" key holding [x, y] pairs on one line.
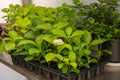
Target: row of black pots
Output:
{"points": [[53, 74]]}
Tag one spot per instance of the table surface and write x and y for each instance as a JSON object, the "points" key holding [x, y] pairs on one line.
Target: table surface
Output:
{"points": [[110, 73]]}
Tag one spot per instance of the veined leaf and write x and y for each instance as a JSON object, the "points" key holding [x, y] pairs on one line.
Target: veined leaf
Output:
{"points": [[60, 25], [59, 33], [98, 41], [77, 33], [10, 46], [74, 64], [39, 40], [22, 42], [48, 38], [60, 57], [60, 65], [50, 56], [87, 51], [69, 31], [29, 58], [60, 48], [45, 26], [33, 51], [86, 37], [72, 56], [13, 35]]}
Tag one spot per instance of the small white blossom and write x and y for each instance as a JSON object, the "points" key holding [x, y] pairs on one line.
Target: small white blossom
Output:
{"points": [[58, 42]]}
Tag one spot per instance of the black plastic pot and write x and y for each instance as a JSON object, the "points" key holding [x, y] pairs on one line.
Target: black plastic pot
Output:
{"points": [[115, 48], [53, 74]]}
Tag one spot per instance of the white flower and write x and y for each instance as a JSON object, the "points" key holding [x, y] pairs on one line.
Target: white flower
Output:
{"points": [[58, 42]]}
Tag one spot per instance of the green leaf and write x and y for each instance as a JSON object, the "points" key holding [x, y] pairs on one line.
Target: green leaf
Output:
{"points": [[65, 69], [5, 10], [61, 47], [77, 33], [2, 47], [77, 2], [23, 22], [60, 57], [87, 51], [107, 51], [98, 41], [59, 33], [60, 25], [29, 58], [75, 70], [45, 26], [22, 42], [86, 37], [33, 51], [76, 40], [16, 53], [50, 56], [69, 31], [72, 56], [48, 38], [39, 40], [66, 60], [74, 64], [10, 46], [13, 35], [30, 34], [60, 65]]}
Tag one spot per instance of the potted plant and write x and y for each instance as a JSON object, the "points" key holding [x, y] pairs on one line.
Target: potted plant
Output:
{"points": [[49, 37], [103, 21]]}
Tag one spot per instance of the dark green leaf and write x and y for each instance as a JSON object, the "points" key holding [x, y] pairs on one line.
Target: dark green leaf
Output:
{"points": [[29, 58]]}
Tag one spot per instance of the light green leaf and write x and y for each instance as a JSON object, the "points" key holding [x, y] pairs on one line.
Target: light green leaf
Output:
{"points": [[22, 42], [60, 65], [39, 40], [23, 22], [77, 33], [66, 60], [74, 64], [65, 69], [61, 47], [48, 38], [69, 31], [59, 33], [72, 56], [87, 51], [13, 35], [60, 25], [29, 58], [33, 51], [50, 56], [45, 26], [98, 41], [60, 57], [10, 46]]}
